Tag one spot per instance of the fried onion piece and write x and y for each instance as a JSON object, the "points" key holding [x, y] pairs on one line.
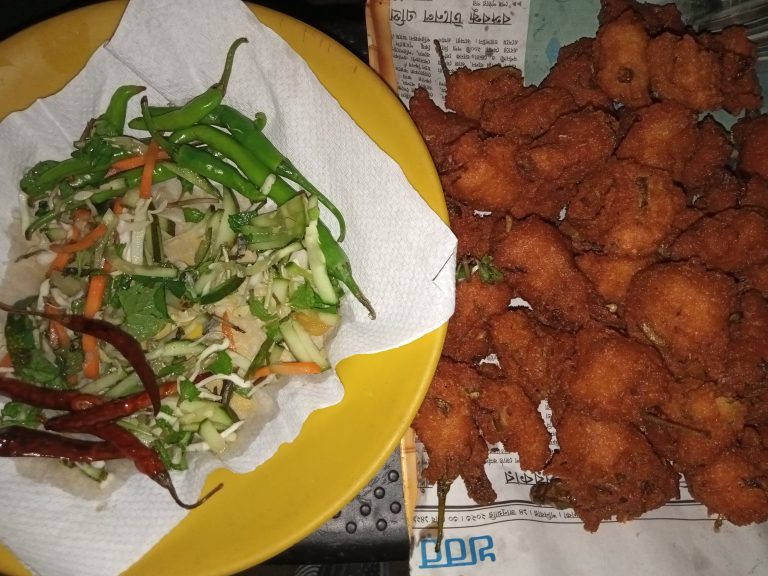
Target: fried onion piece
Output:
{"points": [[683, 310], [467, 90], [609, 469], [446, 426]]}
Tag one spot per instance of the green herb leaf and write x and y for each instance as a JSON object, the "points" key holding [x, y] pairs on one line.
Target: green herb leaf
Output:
{"points": [[193, 215], [488, 272], [188, 390], [18, 414], [144, 308], [222, 364]]}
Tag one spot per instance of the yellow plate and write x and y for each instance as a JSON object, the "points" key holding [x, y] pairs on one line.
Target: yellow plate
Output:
{"points": [[340, 448]]}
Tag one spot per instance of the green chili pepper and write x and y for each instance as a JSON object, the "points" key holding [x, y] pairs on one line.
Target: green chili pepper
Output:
{"points": [[194, 110], [112, 121]]}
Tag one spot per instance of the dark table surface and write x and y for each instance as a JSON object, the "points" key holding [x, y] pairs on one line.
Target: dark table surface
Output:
{"points": [[360, 540]]}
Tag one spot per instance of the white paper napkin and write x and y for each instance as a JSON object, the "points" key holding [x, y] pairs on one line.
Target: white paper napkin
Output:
{"points": [[402, 255]]}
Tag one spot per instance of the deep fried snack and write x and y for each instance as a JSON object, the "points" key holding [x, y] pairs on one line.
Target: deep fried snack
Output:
{"points": [[733, 487], [655, 18], [535, 356], [756, 278], [696, 425], [747, 361], [438, 128], [683, 310], [505, 414], [467, 339], [731, 240], [482, 172], [446, 426], [711, 153], [574, 146], [751, 137], [755, 192], [616, 378], [625, 210], [573, 72], [611, 275], [738, 59], [472, 232], [528, 115], [621, 62], [609, 470], [539, 265], [724, 190], [662, 136], [468, 90], [683, 70]]}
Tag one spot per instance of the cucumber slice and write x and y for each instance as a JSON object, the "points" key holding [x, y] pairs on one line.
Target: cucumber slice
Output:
{"points": [[211, 436]]}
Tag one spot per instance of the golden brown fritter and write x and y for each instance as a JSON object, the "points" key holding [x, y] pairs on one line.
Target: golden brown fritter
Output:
{"points": [[575, 145], [747, 361], [505, 414], [609, 470], [482, 172], [711, 152], [655, 18], [625, 209], [683, 70], [438, 128], [446, 426], [467, 339], [574, 72], [662, 136], [535, 356], [528, 115], [616, 378], [723, 190], [621, 63], [756, 278], [751, 137], [539, 265], [611, 275], [696, 425], [467, 90], [473, 232], [733, 487], [731, 240], [755, 192], [683, 310]]}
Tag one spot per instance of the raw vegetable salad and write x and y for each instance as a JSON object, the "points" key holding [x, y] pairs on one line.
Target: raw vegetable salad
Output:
{"points": [[185, 272]]}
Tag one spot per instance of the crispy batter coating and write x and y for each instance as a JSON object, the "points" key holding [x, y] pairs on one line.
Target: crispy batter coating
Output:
{"points": [[751, 137], [683, 70], [696, 425], [711, 152], [446, 426], [609, 470], [723, 190], [574, 146], [683, 310], [528, 115], [611, 275], [625, 209], [574, 72], [756, 278], [438, 128], [505, 414], [755, 192], [616, 378], [535, 356], [467, 339], [472, 232], [467, 90], [663, 136], [621, 62], [733, 487], [539, 264], [747, 361], [731, 240], [655, 18]]}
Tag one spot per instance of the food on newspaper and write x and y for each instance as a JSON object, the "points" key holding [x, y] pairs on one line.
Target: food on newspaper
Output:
{"points": [[635, 227], [180, 272]]}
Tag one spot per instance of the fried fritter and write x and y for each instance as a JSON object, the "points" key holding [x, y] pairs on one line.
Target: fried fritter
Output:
{"points": [[611, 275], [747, 361], [756, 278], [683, 310], [574, 72], [731, 240], [733, 487], [616, 378], [574, 146], [528, 115], [446, 426], [438, 128], [535, 356], [663, 136], [505, 414], [625, 210], [696, 424], [655, 18], [621, 63], [755, 192], [683, 70], [539, 265], [472, 232], [467, 339], [723, 190], [467, 90], [751, 137], [609, 470], [711, 153]]}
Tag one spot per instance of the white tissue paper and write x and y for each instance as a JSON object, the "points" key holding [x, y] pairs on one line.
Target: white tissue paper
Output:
{"points": [[402, 254]]}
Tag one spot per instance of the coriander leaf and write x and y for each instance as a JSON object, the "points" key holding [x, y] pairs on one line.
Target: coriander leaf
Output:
{"points": [[143, 317], [193, 215], [488, 272], [222, 364], [304, 298], [187, 389], [260, 311], [19, 414]]}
